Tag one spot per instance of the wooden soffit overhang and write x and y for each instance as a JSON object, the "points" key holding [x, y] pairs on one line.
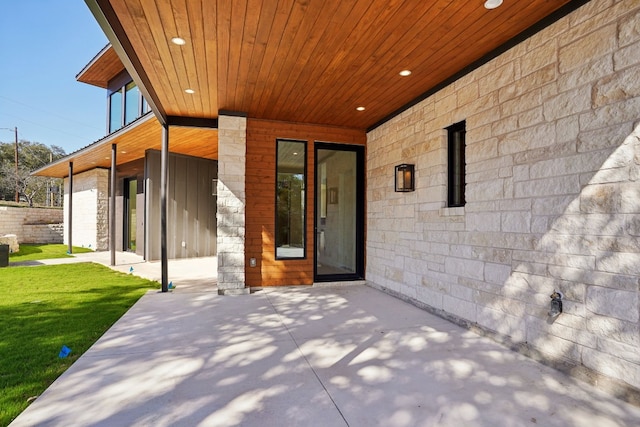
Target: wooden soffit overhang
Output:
{"points": [[132, 142], [309, 61], [102, 68]]}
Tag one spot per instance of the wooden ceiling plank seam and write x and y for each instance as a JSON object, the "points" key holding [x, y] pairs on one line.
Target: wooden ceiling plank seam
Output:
{"points": [[157, 38], [278, 27], [150, 59], [248, 46], [448, 77], [185, 28], [302, 51], [292, 29], [210, 28], [236, 34], [163, 16], [456, 16], [361, 33], [223, 35], [272, 25], [468, 43], [267, 13], [380, 48], [198, 54], [385, 53], [330, 60]]}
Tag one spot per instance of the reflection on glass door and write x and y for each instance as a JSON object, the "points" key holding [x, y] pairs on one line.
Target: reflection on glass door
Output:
{"points": [[339, 216], [130, 218]]}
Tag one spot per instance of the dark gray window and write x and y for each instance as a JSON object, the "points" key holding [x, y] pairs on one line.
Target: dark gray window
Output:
{"points": [[131, 103], [115, 111], [456, 164], [290, 199]]}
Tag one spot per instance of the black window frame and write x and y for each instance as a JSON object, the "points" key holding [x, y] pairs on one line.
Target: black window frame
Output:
{"points": [[304, 188], [456, 164]]}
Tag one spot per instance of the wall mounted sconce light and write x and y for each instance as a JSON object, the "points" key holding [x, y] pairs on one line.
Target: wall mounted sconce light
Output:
{"points": [[556, 304], [405, 178]]}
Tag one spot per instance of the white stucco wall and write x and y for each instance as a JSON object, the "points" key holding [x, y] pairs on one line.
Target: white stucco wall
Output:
{"points": [[90, 210], [553, 197]]}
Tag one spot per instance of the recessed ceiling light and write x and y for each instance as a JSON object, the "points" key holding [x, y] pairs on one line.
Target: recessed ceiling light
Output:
{"points": [[190, 91], [179, 41], [360, 108], [123, 152], [405, 73], [492, 4]]}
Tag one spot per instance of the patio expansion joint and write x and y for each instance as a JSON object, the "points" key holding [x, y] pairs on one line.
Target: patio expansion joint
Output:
{"points": [[307, 360]]}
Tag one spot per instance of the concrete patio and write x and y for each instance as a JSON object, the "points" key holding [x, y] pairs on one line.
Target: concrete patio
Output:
{"points": [[321, 356]]}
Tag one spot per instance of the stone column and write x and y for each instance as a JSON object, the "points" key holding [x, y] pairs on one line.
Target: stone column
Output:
{"points": [[232, 151]]}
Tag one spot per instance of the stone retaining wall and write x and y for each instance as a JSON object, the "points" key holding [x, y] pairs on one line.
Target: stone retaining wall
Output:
{"points": [[32, 225]]}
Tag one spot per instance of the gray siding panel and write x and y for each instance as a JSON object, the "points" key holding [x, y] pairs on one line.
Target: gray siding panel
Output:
{"points": [[191, 207]]}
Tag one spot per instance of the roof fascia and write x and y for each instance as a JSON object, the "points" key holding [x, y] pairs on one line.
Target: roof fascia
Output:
{"points": [[110, 24], [93, 61], [99, 143]]}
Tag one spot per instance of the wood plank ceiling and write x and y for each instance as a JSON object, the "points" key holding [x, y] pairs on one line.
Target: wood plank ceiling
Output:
{"points": [[132, 142], [310, 61]]}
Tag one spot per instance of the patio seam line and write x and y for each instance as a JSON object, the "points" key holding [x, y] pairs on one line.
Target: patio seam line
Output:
{"points": [[307, 360]]}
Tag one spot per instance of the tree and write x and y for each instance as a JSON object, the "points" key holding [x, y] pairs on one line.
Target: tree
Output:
{"points": [[31, 156]]}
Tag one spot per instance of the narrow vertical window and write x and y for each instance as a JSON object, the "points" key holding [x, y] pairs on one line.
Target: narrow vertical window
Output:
{"points": [[456, 164], [115, 111], [290, 199], [131, 103]]}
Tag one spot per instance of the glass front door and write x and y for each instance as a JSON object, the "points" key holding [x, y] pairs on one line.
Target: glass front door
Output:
{"points": [[130, 217], [339, 212]]}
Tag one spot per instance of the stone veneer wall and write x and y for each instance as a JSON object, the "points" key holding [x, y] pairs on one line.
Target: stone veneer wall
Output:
{"points": [[90, 209], [32, 225], [231, 200], [553, 196]]}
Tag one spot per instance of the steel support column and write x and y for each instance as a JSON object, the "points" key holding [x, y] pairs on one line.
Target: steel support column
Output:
{"points": [[164, 173], [112, 205], [70, 210]]}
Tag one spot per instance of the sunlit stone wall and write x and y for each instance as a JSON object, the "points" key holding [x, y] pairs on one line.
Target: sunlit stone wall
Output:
{"points": [[553, 195], [90, 210]]}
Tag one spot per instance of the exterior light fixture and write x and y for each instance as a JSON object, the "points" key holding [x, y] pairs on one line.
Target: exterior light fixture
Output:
{"points": [[179, 41], [190, 91], [360, 108], [405, 178], [556, 304], [492, 4], [405, 73]]}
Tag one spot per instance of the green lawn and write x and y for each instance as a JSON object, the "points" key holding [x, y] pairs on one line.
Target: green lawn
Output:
{"points": [[30, 252], [43, 308]]}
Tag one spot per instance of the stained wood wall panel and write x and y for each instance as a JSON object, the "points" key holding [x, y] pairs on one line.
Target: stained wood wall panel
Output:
{"points": [[260, 210]]}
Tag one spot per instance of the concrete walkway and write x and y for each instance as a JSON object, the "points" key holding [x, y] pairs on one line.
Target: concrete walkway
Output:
{"points": [[193, 274], [321, 356]]}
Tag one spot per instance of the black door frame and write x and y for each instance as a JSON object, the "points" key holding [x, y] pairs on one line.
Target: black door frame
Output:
{"points": [[125, 214], [360, 212]]}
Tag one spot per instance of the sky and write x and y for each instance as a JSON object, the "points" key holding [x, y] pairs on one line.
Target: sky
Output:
{"points": [[44, 44]]}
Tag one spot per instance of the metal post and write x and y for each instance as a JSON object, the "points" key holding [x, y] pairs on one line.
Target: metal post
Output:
{"points": [[164, 172], [15, 129], [112, 206], [70, 231]]}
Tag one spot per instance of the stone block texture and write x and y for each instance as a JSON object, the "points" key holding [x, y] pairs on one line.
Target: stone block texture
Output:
{"points": [[231, 202], [552, 194], [32, 225], [90, 210]]}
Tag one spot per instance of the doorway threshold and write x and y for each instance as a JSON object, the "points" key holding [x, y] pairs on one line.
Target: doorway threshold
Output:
{"points": [[339, 283]]}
